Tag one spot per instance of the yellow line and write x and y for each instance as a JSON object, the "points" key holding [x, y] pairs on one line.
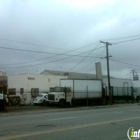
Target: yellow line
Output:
{"points": [[65, 129]]}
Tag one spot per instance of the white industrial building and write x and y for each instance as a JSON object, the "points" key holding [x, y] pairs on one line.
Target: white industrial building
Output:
{"points": [[28, 85], [73, 75]]}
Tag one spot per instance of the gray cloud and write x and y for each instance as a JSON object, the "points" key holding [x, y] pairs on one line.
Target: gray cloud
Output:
{"points": [[60, 26]]}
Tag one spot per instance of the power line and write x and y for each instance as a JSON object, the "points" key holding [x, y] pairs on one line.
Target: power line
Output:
{"points": [[15, 49], [50, 57], [29, 43], [120, 38], [45, 58], [122, 63], [91, 62], [125, 62], [41, 63], [125, 41], [15, 41], [117, 43], [47, 62], [56, 54], [83, 58], [41, 45]]}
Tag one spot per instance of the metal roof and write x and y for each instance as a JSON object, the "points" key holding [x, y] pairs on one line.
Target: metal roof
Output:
{"points": [[72, 75]]}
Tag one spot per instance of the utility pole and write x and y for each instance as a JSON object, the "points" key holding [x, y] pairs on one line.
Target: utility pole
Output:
{"points": [[108, 70], [133, 71], [135, 75]]}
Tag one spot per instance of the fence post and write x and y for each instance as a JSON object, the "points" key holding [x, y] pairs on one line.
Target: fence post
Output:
{"points": [[132, 94], [112, 88], [87, 95]]}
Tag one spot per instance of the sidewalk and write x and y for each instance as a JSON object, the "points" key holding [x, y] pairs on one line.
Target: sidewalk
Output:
{"points": [[11, 110]]}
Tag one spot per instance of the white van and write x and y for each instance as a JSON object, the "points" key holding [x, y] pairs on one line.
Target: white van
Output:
{"points": [[41, 99]]}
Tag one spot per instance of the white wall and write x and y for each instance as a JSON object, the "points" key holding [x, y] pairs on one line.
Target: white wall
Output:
{"points": [[2, 73], [28, 81], [136, 86], [121, 86], [117, 82]]}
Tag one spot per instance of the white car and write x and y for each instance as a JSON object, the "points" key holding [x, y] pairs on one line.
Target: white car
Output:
{"points": [[41, 99]]}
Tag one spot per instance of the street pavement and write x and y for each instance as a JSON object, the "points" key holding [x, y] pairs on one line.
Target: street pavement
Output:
{"points": [[85, 123]]}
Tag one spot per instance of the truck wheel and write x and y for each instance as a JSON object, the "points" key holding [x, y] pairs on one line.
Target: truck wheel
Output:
{"points": [[62, 103], [44, 103]]}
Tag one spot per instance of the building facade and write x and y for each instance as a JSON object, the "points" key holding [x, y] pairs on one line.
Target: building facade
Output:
{"points": [[28, 85]]}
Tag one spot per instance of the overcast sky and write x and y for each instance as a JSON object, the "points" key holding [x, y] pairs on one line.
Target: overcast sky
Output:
{"points": [[64, 35]]}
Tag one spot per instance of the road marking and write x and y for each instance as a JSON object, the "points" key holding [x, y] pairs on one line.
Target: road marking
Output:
{"points": [[65, 129], [119, 112], [134, 110], [62, 118]]}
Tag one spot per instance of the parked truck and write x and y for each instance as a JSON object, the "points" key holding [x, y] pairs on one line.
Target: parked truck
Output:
{"points": [[121, 89], [76, 90]]}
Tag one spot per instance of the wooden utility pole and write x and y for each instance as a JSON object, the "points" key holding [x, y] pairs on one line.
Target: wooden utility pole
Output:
{"points": [[108, 70]]}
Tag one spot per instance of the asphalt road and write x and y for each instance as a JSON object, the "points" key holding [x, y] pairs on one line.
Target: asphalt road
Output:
{"points": [[92, 124]]}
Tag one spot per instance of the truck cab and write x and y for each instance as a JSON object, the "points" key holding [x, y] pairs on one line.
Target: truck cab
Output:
{"points": [[60, 95]]}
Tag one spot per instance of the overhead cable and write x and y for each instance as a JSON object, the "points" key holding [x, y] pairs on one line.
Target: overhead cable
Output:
{"points": [[120, 38], [43, 45], [124, 62], [50, 57], [47, 62], [91, 62], [84, 58], [126, 41]]}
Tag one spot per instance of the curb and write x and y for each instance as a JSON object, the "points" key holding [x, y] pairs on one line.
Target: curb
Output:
{"points": [[34, 110]]}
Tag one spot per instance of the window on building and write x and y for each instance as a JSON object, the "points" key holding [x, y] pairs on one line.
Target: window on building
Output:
{"points": [[12, 91], [34, 92]]}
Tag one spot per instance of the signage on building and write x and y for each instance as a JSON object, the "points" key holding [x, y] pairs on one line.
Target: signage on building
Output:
{"points": [[31, 78]]}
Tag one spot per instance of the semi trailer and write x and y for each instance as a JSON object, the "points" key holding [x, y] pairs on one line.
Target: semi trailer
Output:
{"points": [[121, 89]]}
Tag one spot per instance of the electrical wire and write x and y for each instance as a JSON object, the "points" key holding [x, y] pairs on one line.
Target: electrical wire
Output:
{"points": [[83, 74], [124, 62], [83, 58], [56, 54], [126, 41], [48, 62], [41, 59], [40, 45], [29, 43], [48, 57], [92, 61], [15, 41], [15, 49], [120, 38]]}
